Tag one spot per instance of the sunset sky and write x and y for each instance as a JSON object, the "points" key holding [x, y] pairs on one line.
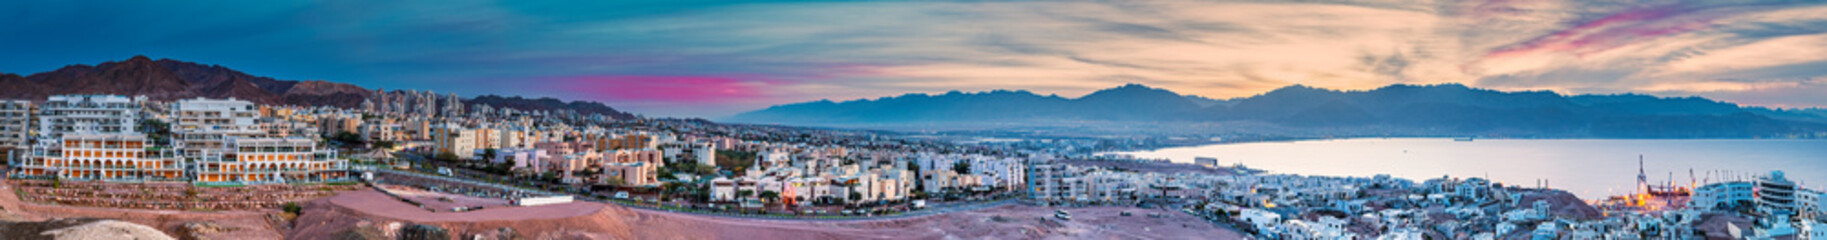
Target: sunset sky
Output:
{"points": [[717, 58]]}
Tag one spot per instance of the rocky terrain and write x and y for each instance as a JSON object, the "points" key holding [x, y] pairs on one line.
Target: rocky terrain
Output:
{"points": [[79, 228], [371, 215], [237, 224]]}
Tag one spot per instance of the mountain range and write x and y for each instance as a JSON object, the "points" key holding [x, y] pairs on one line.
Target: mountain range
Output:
{"points": [[1447, 109], [167, 79]]}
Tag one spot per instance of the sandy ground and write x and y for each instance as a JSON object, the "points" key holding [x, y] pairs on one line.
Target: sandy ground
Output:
{"points": [[240, 224], [368, 209], [437, 201]]}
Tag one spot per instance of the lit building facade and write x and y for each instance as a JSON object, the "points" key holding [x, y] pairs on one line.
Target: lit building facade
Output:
{"points": [[110, 157], [272, 160], [93, 137]]}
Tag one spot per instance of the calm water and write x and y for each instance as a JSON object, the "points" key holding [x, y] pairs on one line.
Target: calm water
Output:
{"points": [[1589, 168]]}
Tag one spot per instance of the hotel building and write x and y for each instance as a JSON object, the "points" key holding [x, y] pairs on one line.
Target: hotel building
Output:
{"points": [[114, 157], [271, 160], [226, 143], [93, 137]]}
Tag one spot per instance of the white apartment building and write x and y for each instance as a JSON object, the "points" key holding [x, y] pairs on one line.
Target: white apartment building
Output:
{"points": [[1722, 194], [113, 157], [522, 158], [1776, 194], [631, 173], [985, 173], [203, 126], [706, 153], [1810, 201], [94, 137], [15, 128], [454, 139], [272, 160], [87, 114], [649, 156]]}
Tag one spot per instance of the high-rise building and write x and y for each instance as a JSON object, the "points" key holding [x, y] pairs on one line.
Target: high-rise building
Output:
{"points": [[15, 127], [453, 106], [427, 103]]}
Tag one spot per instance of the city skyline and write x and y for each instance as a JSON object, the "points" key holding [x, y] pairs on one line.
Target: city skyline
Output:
{"points": [[713, 59]]}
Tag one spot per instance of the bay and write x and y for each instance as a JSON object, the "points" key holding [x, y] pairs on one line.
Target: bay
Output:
{"points": [[1589, 168]]}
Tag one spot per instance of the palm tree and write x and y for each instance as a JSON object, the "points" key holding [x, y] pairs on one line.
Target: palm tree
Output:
{"points": [[771, 196]]}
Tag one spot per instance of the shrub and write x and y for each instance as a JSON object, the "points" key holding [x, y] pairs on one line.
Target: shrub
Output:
{"points": [[291, 207]]}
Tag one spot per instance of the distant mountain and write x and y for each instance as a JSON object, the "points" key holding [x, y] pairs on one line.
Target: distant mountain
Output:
{"points": [[548, 104], [167, 79], [1447, 108], [1129, 102]]}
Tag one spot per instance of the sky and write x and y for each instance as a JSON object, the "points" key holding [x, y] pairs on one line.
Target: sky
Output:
{"points": [[713, 59]]}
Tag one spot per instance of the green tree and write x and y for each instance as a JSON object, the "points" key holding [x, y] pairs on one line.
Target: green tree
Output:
{"points": [[704, 170], [446, 156], [488, 153], [665, 173], [744, 194], [735, 160], [347, 138], [617, 182], [856, 196], [771, 196], [962, 167], [383, 144]]}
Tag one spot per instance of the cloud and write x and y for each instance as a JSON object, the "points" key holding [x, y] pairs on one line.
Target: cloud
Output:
{"points": [[715, 58]]}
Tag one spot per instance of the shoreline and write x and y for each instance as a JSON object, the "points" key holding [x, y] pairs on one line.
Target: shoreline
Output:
{"points": [[1594, 168], [1304, 139]]}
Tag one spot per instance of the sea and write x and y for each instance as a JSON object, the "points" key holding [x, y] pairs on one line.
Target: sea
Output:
{"points": [[1589, 168]]}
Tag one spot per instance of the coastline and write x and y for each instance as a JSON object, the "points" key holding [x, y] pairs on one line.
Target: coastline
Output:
{"points": [[1475, 138], [1591, 168]]}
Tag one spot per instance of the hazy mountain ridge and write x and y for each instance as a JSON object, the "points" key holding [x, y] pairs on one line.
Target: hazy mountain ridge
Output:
{"points": [[1448, 108], [548, 104], [167, 79]]}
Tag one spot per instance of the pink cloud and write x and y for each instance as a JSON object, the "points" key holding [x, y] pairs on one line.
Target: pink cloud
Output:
{"points": [[1612, 31]]}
